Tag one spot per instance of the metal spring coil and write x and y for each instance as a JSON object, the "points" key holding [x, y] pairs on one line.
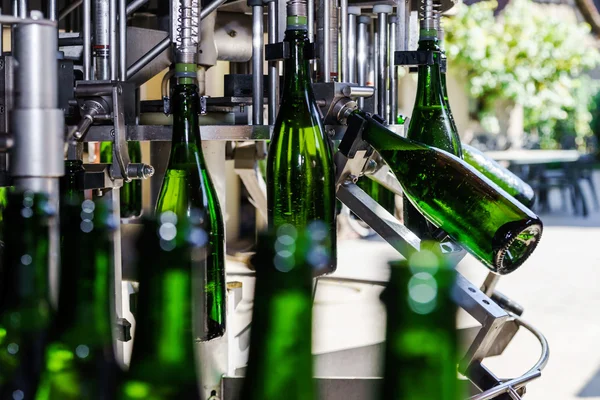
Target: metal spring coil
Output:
{"points": [[187, 26]]}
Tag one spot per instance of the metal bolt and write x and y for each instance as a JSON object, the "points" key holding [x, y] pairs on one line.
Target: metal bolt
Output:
{"points": [[35, 15]]}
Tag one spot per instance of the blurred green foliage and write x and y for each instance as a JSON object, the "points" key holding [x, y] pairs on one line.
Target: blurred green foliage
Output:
{"points": [[529, 57]]}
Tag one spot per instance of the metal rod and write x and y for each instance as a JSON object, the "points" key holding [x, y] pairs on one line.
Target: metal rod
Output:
{"points": [[148, 57], [382, 12], [257, 65], [344, 40], [273, 70], [393, 72], [210, 8], [102, 44], [324, 40], [135, 5], [311, 19], [122, 40], [52, 10], [23, 8], [1, 52], [113, 55], [353, 13], [15, 8], [402, 12], [362, 54], [87, 40], [69, 9]]}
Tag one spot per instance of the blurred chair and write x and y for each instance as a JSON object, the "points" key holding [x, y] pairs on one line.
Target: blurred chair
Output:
{"points": [[565, 178]]}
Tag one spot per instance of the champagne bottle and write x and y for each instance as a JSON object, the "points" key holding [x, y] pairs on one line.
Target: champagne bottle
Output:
{"points": [[187, 185], [501, 176], [300, 171], [25, 309], [162, 362], [385, 197], [280, 359], [131, 192], [431, 121], [453, 196], [421, 337], [80, 361]]}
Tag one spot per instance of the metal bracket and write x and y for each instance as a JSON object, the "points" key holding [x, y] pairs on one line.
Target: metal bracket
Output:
{"points": [[416, 57]]}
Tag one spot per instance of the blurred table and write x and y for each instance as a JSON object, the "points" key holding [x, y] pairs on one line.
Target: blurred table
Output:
{"points": [[528, 157]]}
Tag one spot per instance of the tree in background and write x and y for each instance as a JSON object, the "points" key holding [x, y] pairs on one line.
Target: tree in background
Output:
{"points": [[529, 58]]}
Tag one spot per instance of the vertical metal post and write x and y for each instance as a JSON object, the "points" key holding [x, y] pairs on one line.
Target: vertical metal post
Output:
{"points": [[113, 55], [52, 10], [23, 8], [375, 63], [102, 45], [311, 19], [122, 40], [362, 54], [15, 8], [403, 14], [1, 38], [87, 40], [393, 72], [324, 40], [273, 65], [382, 12], [353, 13], [257, 65], [343, 51]]}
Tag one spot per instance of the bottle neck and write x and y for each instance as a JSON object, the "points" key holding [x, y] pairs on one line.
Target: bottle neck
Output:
{"points": [[72, 182], [380, 137], [429, 89], [185, 104], [296, 73]]}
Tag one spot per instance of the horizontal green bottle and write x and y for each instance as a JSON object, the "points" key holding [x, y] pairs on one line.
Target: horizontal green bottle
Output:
{"points": [[501, 176], [300, 169], [421, 347], [80, 361], [26, 313], [162, 362], [280, 360], [453, 196]]}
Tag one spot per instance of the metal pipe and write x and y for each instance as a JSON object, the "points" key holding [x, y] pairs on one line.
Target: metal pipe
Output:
{"points": [[52, 10], [375, 64], [102, 39], [362, 54], [273, 65], [393, 72], [113, 42], [382, 12], [353, 13], [148, 57], [122, 40], [344, 40], [69, 9], [87, 40], [210, 8], [15, 8], [310, 10], [1, 52], [135, 5], [323, 37], [403, 14], [257, 65], [23, 8]]}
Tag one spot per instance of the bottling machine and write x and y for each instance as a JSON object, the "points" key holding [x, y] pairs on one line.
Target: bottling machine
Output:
{"points": [[72, 76]]}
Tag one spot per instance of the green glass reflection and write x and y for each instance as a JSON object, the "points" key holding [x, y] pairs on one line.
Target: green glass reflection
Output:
{"points": [[187, 185], [421, 337], [280, 363], [453, 196], [300, 171], [25, 310], [131, 192], [162, 363], [80, 362]]}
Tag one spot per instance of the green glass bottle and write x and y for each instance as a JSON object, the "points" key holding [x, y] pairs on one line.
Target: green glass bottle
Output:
{"points": [[280, 359], [300, 169], [421, 339], [25, 309], [501, 176], [431, 122], [80, 361], [131, 192], [385, 197], [162, 362], [187, 185], [453, 196]]}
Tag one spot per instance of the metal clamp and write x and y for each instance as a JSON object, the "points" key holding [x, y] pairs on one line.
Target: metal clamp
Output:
{"points": [[282, 51], [416, 57]]}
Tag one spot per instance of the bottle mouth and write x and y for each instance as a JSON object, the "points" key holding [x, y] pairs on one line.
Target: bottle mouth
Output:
{"points": [[516, 242]]}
